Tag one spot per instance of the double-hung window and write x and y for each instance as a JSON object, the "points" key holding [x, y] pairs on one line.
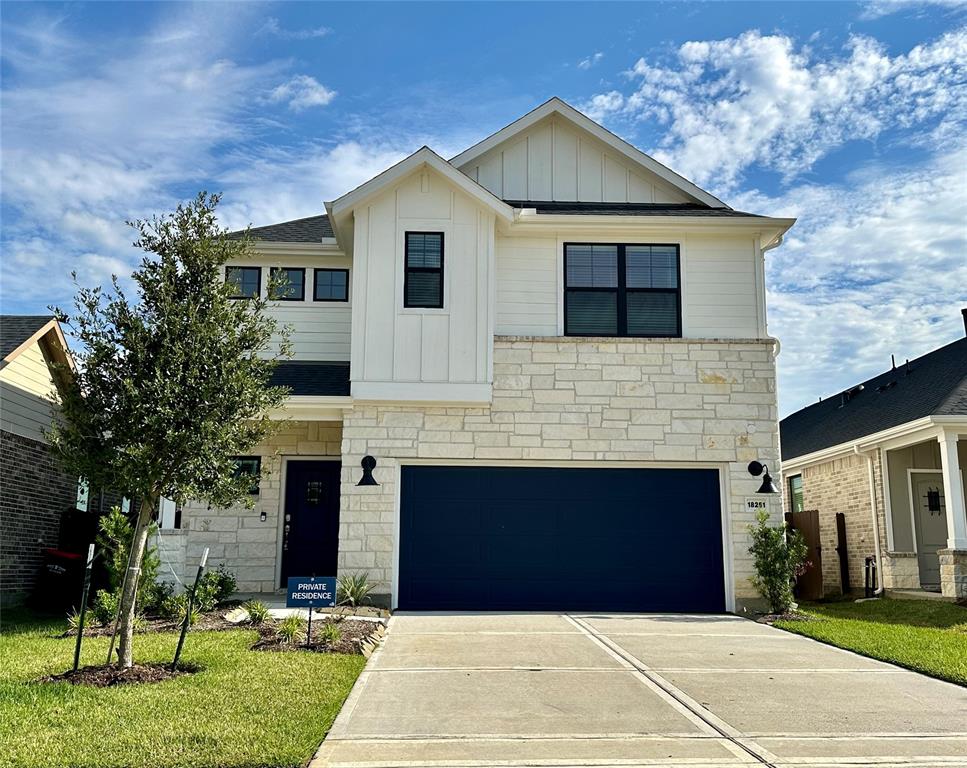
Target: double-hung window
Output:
{"points": [[621, 290], [795, 493], [423, 279], [288, 283], [247, 281]]}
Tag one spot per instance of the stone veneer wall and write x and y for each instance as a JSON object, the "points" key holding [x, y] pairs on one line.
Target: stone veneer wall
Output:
{"points": [[34, 493], [953, 573], [237, 538], [842, 485], [568, 399]]}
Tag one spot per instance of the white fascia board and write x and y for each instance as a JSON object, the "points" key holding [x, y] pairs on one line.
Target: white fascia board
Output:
{"points": [[312, 408], [326, 247], [910, 433], [422, 393], [771, 228], [560, 107], [423, 156]]}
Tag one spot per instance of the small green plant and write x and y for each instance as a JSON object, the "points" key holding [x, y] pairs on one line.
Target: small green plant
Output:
{"points": [[74, 620], [175, 606], [114, 539], [291, 628], [214, 587], [330, 633], [353, 589], [779, 556], [104, 609], [258, 612]]}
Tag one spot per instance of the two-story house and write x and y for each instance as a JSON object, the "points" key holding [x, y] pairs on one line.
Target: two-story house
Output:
{"points": [[554, 351]]}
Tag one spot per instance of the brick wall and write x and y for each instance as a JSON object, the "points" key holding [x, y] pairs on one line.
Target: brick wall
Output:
{"points": [[237, 538], [842, 485], [559, 399], [34, 492]]}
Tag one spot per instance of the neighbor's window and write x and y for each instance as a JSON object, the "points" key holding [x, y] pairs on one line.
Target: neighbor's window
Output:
{"points": [[82, 501], [423, 282], [247, 281], [331, 285], [251, 466], [795, 493], [621, 290], [289, 283]]}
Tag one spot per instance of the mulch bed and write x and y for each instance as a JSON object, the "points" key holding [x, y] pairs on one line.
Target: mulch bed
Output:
{"points": [[212, 621], [356, 636], [107, 676]]}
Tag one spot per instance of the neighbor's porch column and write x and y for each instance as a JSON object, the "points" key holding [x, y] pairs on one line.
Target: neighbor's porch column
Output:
{"points": [[953, 488]]}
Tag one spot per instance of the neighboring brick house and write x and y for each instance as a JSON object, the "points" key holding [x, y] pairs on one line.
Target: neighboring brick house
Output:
{"points": [[553, 348], [34, 492], [896, 443]]}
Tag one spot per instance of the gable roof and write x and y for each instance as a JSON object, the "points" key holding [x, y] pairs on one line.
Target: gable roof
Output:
{"points": [[557, 106], [932, 385], [16, 331], [311, 229]]}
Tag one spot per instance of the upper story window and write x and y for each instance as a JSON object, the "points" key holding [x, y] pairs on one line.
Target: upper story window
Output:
{"points": [[331, 285], [423, 281], [289, 283], [246, 280], [621, 290]]}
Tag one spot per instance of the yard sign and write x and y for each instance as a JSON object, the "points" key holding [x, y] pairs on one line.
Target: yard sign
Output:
{"points": [[311, 592]]}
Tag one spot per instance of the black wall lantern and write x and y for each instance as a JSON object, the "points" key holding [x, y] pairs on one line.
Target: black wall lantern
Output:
{"points": [[755, 469], [368, 464]]}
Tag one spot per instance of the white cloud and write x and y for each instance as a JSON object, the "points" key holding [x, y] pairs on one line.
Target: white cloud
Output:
{"points": [[763, 100], [874, 266], [603, 104], [879, 8], [272, 27], [590, 61], [302, 92]]}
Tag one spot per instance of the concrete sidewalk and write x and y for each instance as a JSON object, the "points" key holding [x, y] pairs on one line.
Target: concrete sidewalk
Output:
{"points": [[583, 689]]}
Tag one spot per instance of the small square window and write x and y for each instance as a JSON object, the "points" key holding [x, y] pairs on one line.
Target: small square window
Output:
{"points": [[289, 283], [331, 285], [423, 280], [251, 466], [246, 280]]}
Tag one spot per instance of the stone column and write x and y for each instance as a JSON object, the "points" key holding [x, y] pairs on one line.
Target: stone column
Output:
{"points": [[953, 560]]}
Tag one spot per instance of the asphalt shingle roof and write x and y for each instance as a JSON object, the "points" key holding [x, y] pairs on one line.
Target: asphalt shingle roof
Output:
{"points": [[16, 329], [313, 377], [629, 209], [311, 229], [934, 384]]}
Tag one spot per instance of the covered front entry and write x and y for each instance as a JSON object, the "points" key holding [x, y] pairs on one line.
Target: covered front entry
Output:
{"points": [[310, 523], [555, 538]]}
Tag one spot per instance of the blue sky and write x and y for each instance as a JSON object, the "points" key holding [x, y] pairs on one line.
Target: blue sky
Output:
{"points": [[848, 116]]}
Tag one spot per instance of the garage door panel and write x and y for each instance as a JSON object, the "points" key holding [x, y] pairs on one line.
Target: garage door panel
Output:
{"points": [[529, 538]]}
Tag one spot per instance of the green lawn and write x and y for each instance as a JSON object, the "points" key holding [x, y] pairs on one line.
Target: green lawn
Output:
{"points": [[246, 708], [924, 635]]}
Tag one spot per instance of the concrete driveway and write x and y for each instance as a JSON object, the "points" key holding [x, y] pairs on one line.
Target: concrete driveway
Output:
{"points": [[669, 690]]}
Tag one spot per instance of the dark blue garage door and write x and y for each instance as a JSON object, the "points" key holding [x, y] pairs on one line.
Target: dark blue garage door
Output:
{"points": [[527, 538]]}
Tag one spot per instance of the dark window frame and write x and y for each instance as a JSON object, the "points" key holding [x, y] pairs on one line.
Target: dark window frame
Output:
{"points": [[302, 295], [258, 283], [315, 285], [425, 270], [621, 290], [254, 489]]}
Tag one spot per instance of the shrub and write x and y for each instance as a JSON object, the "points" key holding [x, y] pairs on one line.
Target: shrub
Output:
{"points": [[214, 587], [74, 621], [258, 612], [353, 590], [779, 556], [105, 606], [330, 633], [291, 628], [156, 596], [174, 608]]}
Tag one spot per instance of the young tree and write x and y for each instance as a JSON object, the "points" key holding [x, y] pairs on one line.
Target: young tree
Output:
{"points": [[170, 386], [779, 554]]}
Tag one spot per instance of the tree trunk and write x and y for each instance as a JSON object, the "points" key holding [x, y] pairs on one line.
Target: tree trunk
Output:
{"points": [[130, 594]]}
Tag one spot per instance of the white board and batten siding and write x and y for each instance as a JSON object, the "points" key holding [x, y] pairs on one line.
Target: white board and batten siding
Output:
{"points": [[319, 330], [719, 282], [556, 161], [423, 354], [25, 388]]}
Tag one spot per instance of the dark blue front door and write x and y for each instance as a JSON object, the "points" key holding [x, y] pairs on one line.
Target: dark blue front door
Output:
{"points": [[310, 532], [527, 538]]}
